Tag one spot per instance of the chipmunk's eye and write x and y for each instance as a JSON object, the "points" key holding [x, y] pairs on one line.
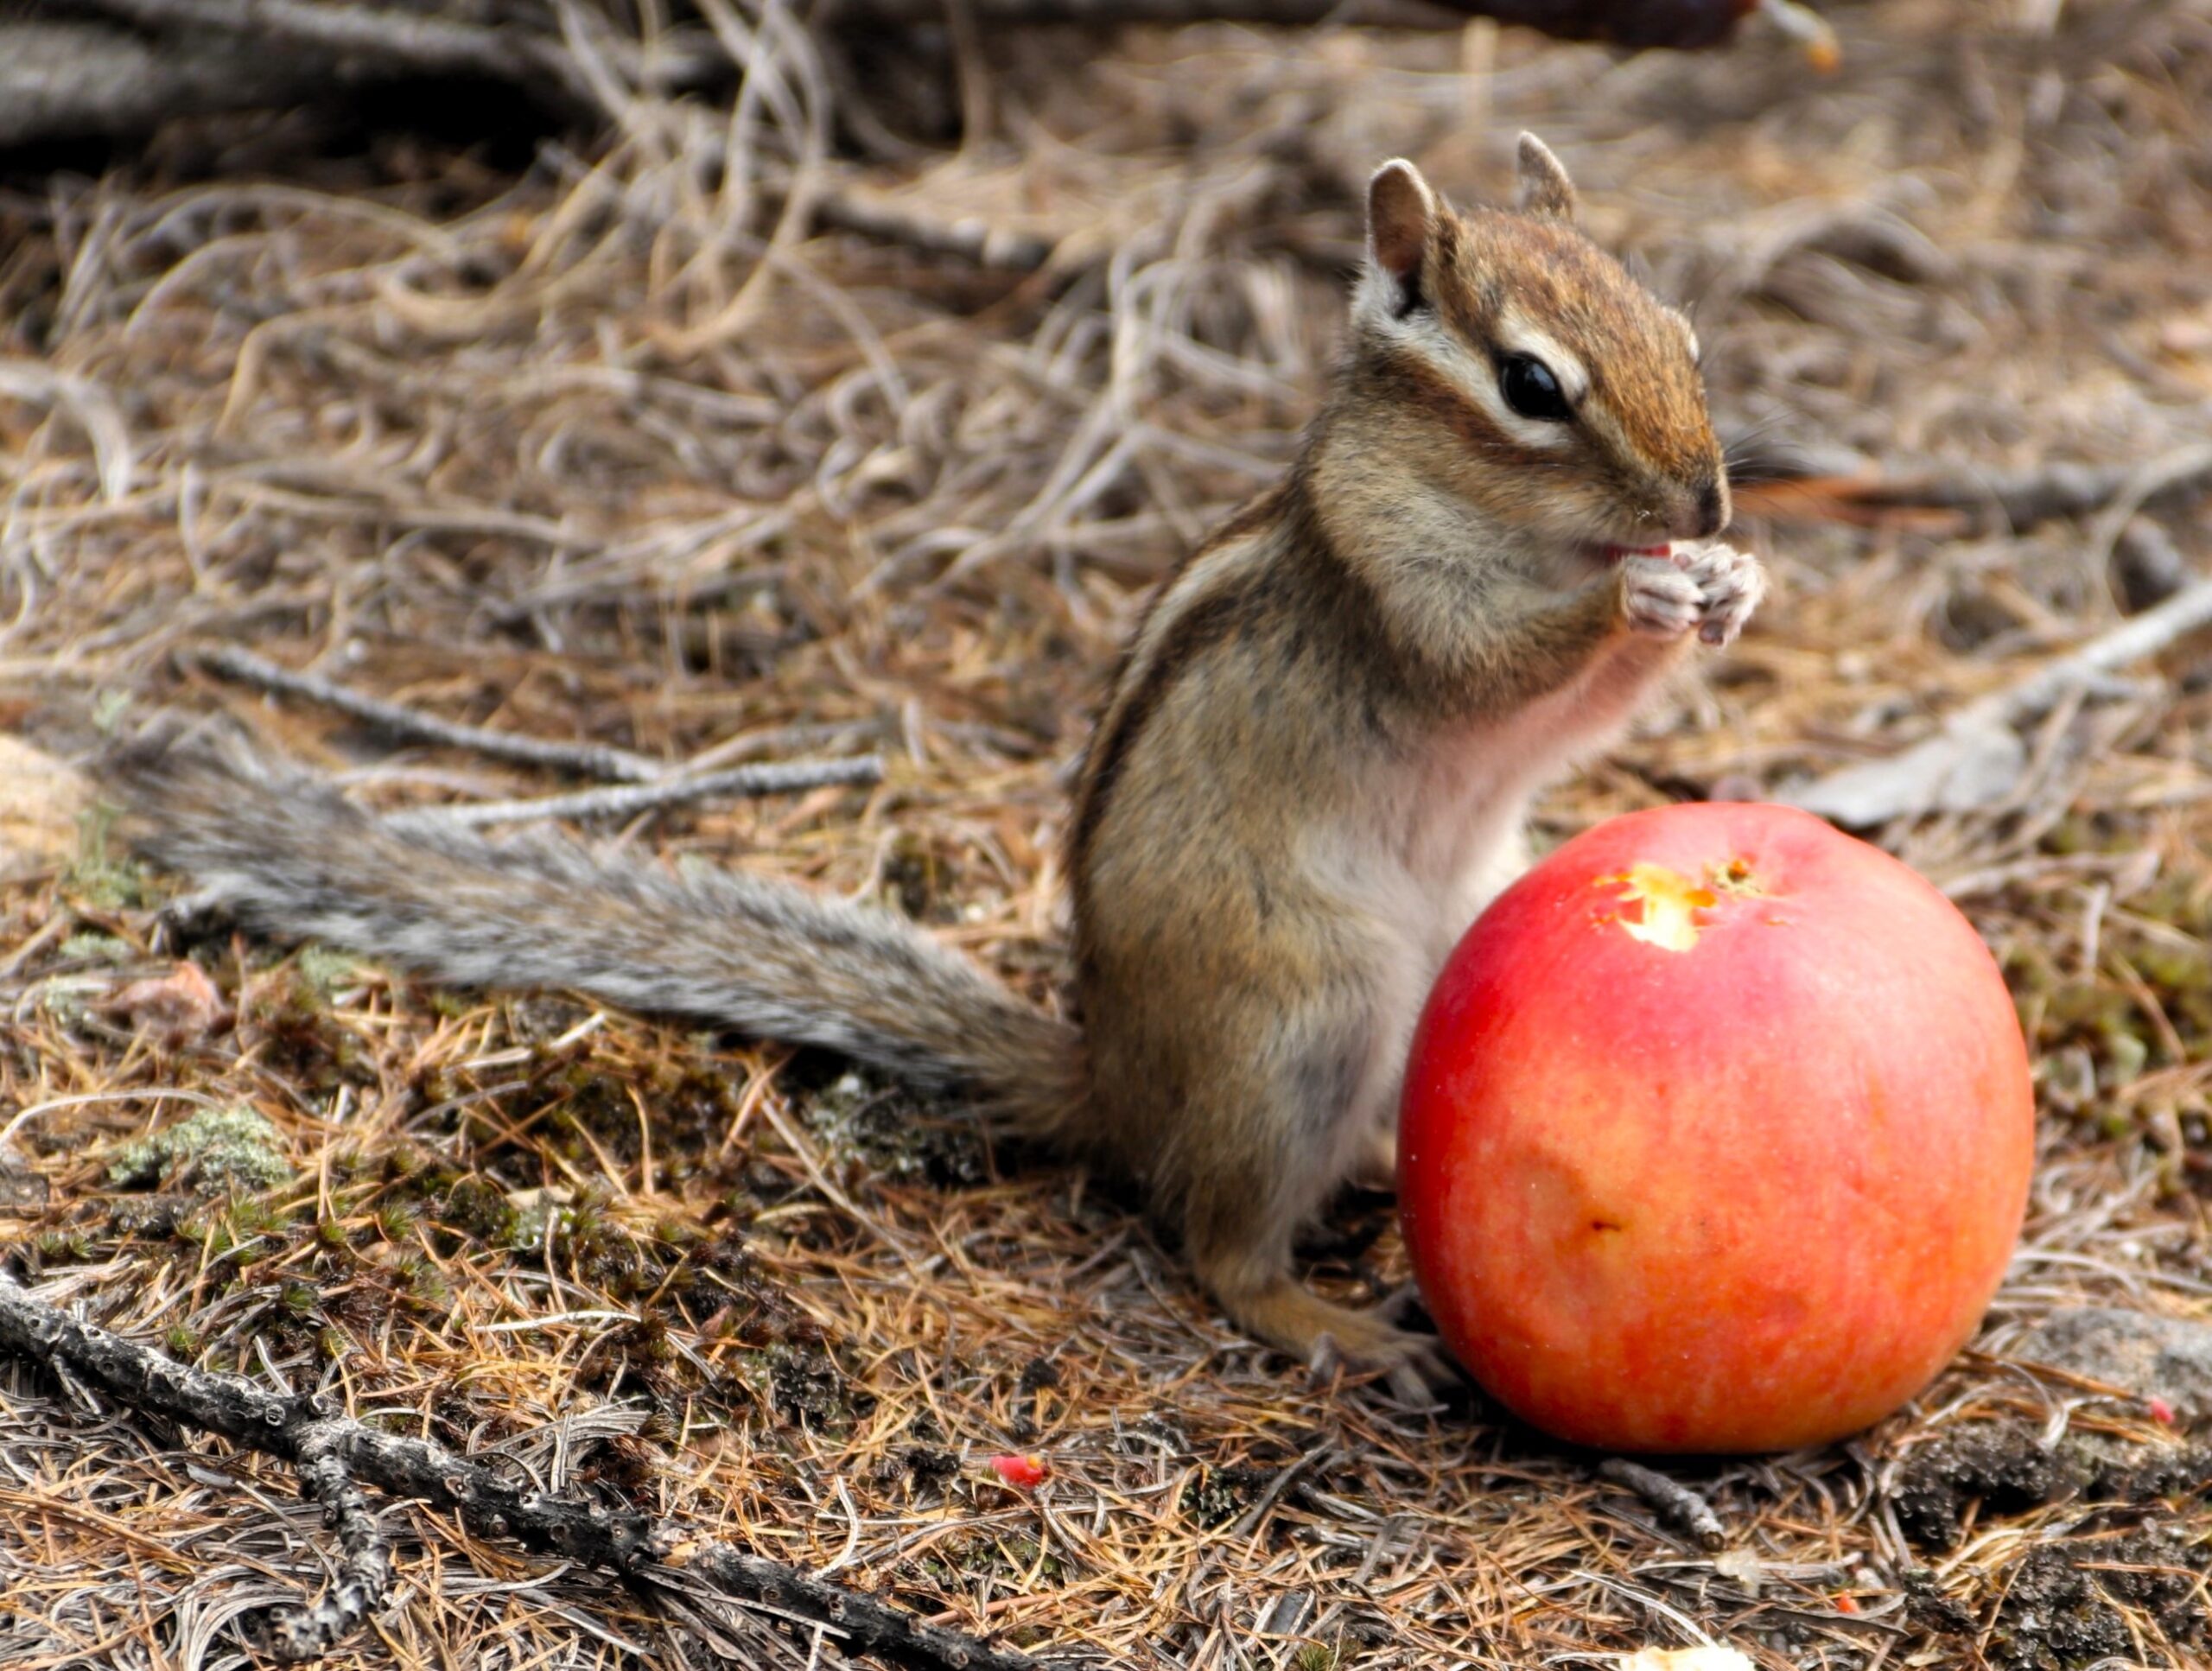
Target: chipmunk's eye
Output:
{"points": [[1530, 388]]}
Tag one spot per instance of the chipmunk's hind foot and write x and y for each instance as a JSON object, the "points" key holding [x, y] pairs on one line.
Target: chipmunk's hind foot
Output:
{"points": [[1324, 1335]]}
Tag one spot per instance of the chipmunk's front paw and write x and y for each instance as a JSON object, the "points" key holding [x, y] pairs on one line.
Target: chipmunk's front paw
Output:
{"points": [[1730, 584], [1660, 599]]}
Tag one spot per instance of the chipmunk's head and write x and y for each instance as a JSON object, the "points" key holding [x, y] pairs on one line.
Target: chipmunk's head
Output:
{"points": [[1510, 360]]}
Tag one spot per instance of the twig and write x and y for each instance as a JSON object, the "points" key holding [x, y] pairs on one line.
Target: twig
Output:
{"points": [[1974, 759], [651, 787], [1674, 1503], [305, 1433], [1249, 1521], [771, 778], [1808, 28], [976, 241], [298, 1633], [775, 740], [2141, 636], [587, 760], [2183, 470], [2148, 566]]}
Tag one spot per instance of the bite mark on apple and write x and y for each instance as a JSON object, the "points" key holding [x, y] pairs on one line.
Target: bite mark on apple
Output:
{"points": [[1659, 905]]}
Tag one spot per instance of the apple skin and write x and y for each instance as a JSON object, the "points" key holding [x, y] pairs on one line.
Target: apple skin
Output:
{"points": [[1726, 1177]]}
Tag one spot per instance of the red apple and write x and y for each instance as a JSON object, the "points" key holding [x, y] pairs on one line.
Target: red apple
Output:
{"points": [[1716, 1136]]}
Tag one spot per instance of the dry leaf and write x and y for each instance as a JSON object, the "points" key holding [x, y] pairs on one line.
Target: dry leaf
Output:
{"points": [[178, 1007]]}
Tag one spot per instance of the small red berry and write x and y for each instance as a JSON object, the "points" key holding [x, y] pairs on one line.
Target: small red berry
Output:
{"points": [[1024, 1473]]}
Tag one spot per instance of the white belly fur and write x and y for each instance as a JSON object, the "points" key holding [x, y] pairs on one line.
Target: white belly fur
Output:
{"points": [[1436, 841]]}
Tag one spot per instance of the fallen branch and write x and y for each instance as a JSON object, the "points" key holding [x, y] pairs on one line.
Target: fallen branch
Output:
{"points": [[298, 1633], [1974, 760], [65, 73], [303, 1431], [1683, 23], [419, 42], [586, 759], [1674, 1501], [771, 778], [72, 79]]}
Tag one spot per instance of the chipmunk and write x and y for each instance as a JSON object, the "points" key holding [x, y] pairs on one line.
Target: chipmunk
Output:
{"points": [[1311, 774]]}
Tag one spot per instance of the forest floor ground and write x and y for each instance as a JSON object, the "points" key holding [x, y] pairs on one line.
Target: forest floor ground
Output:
{"points": [[581, 441]]}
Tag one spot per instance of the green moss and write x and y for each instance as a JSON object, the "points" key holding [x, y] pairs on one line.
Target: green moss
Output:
{"points": [[59, 1245], [329, 972], [217, 1149], [94, 948], [1218, 1495], [2180, 899], [895, 1138], [301, 1038], [2182, 978], [476, 1207], [99, 878], [426, 1284], [1016, 1556], [61, 1002]]}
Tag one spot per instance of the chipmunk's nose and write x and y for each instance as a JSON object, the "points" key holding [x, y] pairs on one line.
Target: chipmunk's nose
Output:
{"points": [[1706, 513]]}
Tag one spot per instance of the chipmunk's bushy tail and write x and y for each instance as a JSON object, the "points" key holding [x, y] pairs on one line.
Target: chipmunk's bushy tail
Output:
{"points": [[283, 851]]}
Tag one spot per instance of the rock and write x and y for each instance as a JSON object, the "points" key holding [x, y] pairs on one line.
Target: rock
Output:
{"points": [[40, 802], [2168, 1359]]}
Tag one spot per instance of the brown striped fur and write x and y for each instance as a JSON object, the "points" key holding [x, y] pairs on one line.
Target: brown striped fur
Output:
{"points": [[1309, 776]]}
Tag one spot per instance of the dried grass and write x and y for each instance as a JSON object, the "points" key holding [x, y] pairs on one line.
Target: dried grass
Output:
{"points": [[615, 451]]}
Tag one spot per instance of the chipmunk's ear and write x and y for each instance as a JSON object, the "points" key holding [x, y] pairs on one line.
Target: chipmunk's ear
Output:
{"points": [[1545, 188], [1402, 214]]}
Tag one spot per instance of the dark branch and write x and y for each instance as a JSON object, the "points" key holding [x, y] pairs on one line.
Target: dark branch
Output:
{"points": [[1627, 23], [296, 1634], [1676, 1503], [64, 72], [83, 79], [586, 759], [419, 42], [304, 1432]]}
